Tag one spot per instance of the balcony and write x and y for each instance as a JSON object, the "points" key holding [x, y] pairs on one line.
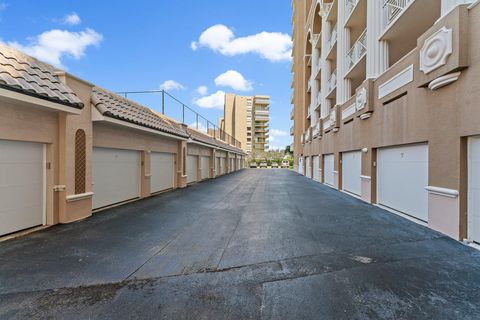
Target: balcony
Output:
{"points": [[292, 130], [318, 100], [357, 51], [350, 6], [332, 41], [317, 69], [309, 114], [332, 83], [302, 138], [316, 130], [308, 135], [292, 97], [292, 113], [309, 86], [392, 9], [262, 112]]}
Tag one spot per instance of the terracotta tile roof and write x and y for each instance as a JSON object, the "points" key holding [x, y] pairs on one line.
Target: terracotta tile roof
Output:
{"points": [[112, 105], [27, 75], [205, 138]]}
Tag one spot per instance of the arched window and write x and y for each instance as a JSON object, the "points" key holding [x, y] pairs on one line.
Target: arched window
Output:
{"points": [[80, 161]]}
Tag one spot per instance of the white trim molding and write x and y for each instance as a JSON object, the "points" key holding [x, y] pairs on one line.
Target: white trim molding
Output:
{"points": [[435, 50], [450, 193], [350, 111], [78, 197], [402, 78], [444, 80]]}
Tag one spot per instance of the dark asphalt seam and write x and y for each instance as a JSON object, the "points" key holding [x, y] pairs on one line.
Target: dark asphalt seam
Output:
{"points": [[233, 233], [204, 212]]}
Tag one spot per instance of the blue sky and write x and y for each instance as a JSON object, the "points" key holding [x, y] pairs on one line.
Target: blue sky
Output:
{"points": [[138, 45]]}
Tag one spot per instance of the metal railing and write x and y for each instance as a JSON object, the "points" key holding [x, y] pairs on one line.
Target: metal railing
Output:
{"points": [[189, 117], [332, 81], [349, 6], [357, 51], [333, 38], [392, 9]]}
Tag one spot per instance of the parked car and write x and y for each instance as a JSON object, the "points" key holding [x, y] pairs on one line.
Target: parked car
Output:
{"points": [[253, 165], [285, 164], [263, 164], [274, 165]]}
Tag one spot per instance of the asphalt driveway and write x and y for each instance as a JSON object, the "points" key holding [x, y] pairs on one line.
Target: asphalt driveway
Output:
{"points": [[257, 244]]}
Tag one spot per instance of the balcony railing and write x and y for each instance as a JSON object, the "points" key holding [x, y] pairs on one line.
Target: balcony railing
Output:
{"points": [[333, 38], [392, 9], [357, 51], [292, 130], [316, 130], [302, 138], [309, 114], [332, 81], [318, 66], [292, 112], [349, 6], [319, 100], [309, 85]]}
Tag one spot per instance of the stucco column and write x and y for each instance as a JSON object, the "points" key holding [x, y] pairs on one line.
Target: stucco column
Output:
{"points": [[448, 5], [181, 160], [377, 51], [325, 73], [145, 174], [212, 163], [315, 87], [344, 86]]}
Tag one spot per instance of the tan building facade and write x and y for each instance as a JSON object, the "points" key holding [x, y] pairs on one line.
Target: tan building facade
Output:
{"points": [[246, 118], [385, 97], [69, 148]]}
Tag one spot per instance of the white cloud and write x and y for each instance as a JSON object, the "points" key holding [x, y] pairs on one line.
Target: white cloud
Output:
{"points": [[235, 80], [275, 148], [214, 101], [273, 46], [202, 90], [72, 19], [171, 85], [278, 133], [201, 127], [52, 46]]}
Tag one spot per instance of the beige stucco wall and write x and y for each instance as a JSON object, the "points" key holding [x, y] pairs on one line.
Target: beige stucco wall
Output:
{"points": [[31, 123], [415, 114]]}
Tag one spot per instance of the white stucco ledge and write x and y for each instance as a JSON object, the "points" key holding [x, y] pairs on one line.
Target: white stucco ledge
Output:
{"points": [[78, 197], [442, 191]]}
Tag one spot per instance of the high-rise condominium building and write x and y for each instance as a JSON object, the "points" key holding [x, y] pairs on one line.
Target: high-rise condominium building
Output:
{"points": [[246, 118], [386, 105]]}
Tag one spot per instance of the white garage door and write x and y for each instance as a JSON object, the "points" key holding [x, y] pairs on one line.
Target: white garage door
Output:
{"points": [[205, 167], [300, 165], [116, 176], [222, 165], [351, 172], [309, 167], [22, 185], [162, 168], [328, 170], [192, 168], [474, 189], [402, 175], [316, 168]]}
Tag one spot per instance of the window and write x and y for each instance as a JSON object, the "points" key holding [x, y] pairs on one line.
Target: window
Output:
{"points": [[80, 161]]}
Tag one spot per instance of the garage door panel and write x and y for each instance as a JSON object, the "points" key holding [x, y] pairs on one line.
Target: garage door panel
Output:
{"points": [[402, 177], [205, 167], [22, 185], [316, 166], [162, 168], [309, 167], [329, 168], [474, 189], [192, 171], [116, 176], [351, 171]]}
